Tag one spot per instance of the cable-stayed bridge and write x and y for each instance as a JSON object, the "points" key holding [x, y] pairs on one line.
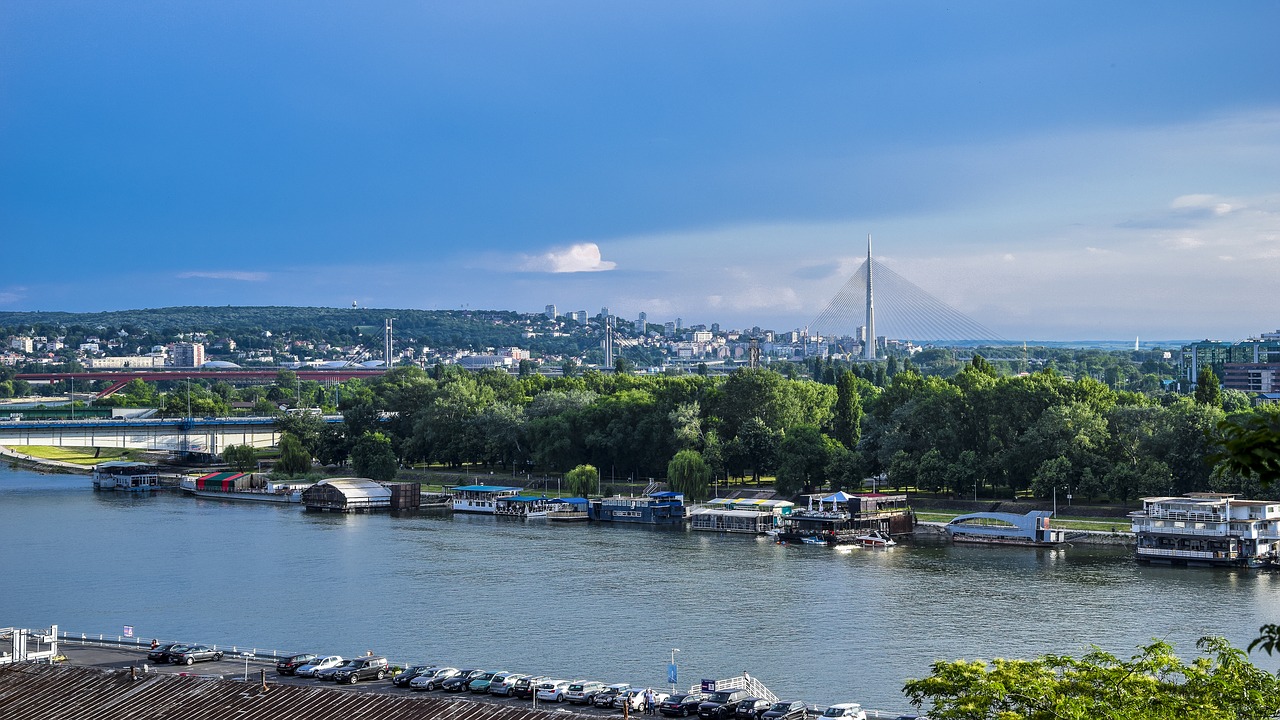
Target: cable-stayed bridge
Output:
{"points": [[878, 302]]}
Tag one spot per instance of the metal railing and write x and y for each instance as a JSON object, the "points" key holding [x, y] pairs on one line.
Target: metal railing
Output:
{"points": [[136, 643]]}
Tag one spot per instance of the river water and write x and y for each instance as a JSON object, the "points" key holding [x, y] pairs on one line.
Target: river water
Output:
{"points": [[585, 600]]}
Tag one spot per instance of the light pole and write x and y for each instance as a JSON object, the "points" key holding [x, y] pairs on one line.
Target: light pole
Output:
{"points": [[1055, 501], [246, 655]]}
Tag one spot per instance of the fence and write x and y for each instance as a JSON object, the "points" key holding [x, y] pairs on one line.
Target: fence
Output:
{"points": [[135, 643]]}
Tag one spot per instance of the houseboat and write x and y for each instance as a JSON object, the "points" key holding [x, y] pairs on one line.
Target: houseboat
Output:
{"points": [[126, 476], [568, 510], [661, 508], [1208, 529], [754, 516], [241, 486], [523, 506], [997, 528], [843, 518], [482, 499], [355, 495]]}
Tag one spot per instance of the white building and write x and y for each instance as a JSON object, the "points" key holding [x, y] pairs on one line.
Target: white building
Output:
{"points": [[1208, 529]]}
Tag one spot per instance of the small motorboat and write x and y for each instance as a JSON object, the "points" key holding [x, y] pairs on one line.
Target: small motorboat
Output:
{"points": [[875, 538]]}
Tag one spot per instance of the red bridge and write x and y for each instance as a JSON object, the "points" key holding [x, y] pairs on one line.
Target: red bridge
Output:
{"points": [[119, 379]]}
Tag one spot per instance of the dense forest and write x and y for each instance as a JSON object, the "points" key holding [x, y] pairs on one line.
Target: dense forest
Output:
{"points": [[976, 432]]}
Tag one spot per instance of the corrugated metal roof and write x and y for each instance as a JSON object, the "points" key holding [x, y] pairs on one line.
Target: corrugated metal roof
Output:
{"points": [[358, 487], [52, 692]]}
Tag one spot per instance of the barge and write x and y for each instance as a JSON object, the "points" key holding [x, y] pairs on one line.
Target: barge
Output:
{"points": [[138, 477], [660, 508], [997, 528], [241, 486], [752, 516], [1208, 529]]}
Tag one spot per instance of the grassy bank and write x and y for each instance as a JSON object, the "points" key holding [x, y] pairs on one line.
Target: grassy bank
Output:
{"points": [[74, 455]]}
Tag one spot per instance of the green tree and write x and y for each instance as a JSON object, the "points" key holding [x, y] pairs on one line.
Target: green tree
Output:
{"points": [[295, 459], [1154, 684], [847, 415], [689, 473], [582, 480], [1208, 388], [373, 457], [243, 458], [803, 457]]}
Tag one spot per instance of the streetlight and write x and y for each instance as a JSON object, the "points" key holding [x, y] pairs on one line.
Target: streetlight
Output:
{"points": [[246, 655]]}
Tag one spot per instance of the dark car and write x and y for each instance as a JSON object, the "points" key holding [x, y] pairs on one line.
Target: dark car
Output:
{"points": [[459, 682], [290, 665], [721, 704], [681, 705], [525, 687], [786, 710], [751, 708], [604, 698], [192, 654], [160, 654], [402, 678], [369, 667]]}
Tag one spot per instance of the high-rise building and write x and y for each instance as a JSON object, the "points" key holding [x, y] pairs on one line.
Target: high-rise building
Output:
{"points": [[669, 329], [642, 322], [187, 355], [579, 316], [715, 327], [679, 323], [550, 312]]}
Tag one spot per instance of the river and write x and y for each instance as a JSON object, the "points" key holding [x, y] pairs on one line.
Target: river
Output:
{"points": [[603, 602]]}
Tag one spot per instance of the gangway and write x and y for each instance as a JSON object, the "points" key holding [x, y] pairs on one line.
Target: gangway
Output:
{"points": [[741, 682], [21, 641]]}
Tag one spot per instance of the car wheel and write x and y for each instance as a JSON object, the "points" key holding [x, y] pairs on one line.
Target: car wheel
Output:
{"points": [[191, 660], [217, 656], [353, 679], [381, 674]]}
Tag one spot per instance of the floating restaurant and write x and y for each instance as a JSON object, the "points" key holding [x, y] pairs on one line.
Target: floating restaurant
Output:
{"points": [[1208, 529], [740, 515], [844, 518], [660, 508], [482, 499], [127, 476]]}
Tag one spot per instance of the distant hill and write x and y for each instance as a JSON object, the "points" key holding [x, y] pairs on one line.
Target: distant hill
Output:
{"points": [[439, 328]]}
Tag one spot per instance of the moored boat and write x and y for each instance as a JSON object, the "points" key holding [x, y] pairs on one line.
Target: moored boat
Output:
{"points": [[482, 499], [661, 508], [241, 486], [997, 528]]}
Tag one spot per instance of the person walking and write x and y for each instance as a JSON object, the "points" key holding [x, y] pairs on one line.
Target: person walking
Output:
{"points": [[648, 701]]}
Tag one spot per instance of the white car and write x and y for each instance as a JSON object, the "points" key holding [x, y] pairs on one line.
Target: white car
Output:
{"points": [[634, 698], [552, 690], [845, 711], [315, 666], [431, 679]]}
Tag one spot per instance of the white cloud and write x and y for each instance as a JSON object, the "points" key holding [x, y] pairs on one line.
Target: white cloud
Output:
{"points": [[581, 257], [239, 275], [12, 295]]}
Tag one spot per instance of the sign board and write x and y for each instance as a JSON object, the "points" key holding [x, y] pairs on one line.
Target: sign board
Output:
{"points": [[708, 685], [671, 674], [128, 631]]}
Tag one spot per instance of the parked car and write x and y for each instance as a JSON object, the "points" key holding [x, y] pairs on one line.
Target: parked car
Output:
{"points": [[161, 654], [751, 708], [431, 679], [845, 711], [192, 654], [320, 663], [681, 705], [720, 705], [326, 674], [459, 682], [580, 692], [290, 665], [786, 710], [605, 697], [525, 687], [368, 667], [504, 683], [633, 699], [552, 690], [480, 683], [402, 678]]}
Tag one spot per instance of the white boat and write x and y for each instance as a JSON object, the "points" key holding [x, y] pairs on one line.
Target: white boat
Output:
{"points": [[482, 499], [875, 538]]}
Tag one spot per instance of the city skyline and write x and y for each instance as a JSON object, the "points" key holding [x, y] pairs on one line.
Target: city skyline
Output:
{"points": [[1056, 172]]}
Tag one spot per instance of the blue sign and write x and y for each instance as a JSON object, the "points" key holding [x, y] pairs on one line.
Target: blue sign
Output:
{"points": [[671, 674], [708, 685]]}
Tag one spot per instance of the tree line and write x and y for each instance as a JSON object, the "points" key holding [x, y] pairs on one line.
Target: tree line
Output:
{"points": [[977, 432]]}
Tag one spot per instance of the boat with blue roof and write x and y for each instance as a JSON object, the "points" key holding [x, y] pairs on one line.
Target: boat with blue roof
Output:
{"points": [[660, 508], [481, 499]]}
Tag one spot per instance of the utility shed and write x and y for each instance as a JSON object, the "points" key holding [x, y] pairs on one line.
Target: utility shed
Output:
{"points": [[346, 495], [53, 692]]}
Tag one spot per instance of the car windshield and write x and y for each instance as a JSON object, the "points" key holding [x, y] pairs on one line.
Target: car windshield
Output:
{"points": [[720, 697], [781, 707], [835, 712]]}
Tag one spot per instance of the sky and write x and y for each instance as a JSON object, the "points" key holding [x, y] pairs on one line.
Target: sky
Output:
{"points": [[1055, 170]]}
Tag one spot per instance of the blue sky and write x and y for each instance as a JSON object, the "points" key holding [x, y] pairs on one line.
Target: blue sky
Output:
{"points": [[1055, 170]]}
